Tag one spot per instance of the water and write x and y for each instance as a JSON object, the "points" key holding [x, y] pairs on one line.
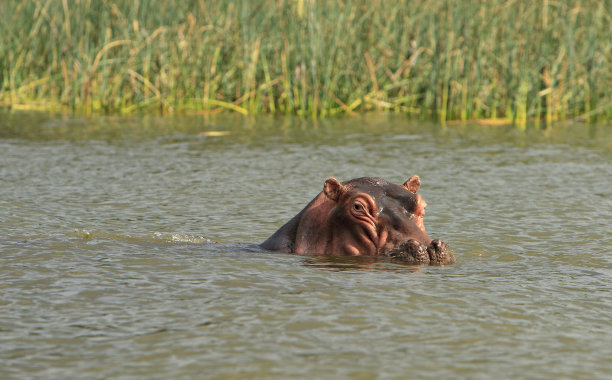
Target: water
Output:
{"points": [[126, 251]]}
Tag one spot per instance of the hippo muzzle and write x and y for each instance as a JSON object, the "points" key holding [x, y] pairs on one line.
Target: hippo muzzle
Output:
{"points": [[412, 251]]}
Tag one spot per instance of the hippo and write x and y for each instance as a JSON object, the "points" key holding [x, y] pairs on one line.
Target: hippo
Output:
{"points": [[366, 216]]}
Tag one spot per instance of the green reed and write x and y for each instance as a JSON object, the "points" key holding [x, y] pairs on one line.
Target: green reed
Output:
{"points": [[450, 60]]}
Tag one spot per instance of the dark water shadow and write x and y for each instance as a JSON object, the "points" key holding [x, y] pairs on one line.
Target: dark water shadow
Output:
{"points": [[359, 263], [338, 263]]}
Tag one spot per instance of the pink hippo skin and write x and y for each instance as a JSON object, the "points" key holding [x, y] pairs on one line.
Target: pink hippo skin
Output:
{"points": [[363, 217]]}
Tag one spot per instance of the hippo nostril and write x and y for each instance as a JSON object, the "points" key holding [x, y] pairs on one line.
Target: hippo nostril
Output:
{"points": [[439, 252], [437, 244], [414, 242]]}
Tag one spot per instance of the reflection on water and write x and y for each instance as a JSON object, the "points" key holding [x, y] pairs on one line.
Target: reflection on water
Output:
{"points": [[127, 250], [351, 263]]}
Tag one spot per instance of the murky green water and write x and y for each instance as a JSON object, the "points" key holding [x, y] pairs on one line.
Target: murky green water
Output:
{"points": [[124, 251]]}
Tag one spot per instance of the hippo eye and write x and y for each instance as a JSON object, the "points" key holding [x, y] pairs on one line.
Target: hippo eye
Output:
{"points": [[360, 207]]}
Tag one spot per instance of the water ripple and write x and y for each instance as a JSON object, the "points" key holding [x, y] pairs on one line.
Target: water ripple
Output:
{"points": [[133, 258]]}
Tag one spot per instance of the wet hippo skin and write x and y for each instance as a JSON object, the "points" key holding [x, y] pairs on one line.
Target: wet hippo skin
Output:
{"points": [[365, 216]]}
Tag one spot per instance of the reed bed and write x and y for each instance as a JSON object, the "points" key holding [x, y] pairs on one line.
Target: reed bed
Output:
{"points": [[448, 60]]}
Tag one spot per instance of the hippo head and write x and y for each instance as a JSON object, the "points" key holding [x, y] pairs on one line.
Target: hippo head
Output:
{"points": [[363, 216]]}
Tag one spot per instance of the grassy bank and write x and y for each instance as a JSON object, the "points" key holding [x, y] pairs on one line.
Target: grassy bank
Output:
{"points": [[450, 60]]}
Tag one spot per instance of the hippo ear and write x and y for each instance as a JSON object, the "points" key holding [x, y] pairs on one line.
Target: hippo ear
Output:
{"points": [[412, 184], [333, 189]]}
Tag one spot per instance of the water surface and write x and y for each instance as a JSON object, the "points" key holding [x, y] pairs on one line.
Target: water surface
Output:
{"points": [[126, 250]]}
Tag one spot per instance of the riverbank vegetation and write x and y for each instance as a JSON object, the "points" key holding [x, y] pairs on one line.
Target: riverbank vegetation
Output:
{"points": [[435, 59]]}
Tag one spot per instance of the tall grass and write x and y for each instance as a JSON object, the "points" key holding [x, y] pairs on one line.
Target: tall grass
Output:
{"points": [[450, 60]]}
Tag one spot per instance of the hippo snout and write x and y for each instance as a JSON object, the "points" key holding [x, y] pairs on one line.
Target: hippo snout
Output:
{"points": [[412, 251], [439, 253]]}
